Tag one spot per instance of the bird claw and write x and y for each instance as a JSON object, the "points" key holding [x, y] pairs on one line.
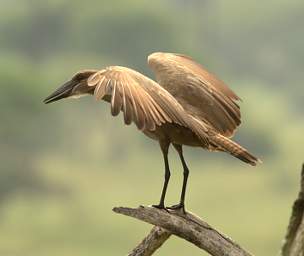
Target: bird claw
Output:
{"points": [[178, 207], [161, 207]]}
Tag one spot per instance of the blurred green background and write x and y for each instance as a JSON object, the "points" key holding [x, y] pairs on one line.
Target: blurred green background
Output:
{"points": [[64, 166]]}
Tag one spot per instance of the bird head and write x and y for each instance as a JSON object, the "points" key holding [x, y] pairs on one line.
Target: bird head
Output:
{"points": [[74, 88]]}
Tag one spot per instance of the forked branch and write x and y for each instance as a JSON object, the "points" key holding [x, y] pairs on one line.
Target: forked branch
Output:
{"points": [[186, 226], [201, 234], [151, 242]]}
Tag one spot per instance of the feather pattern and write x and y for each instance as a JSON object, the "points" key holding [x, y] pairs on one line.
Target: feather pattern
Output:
{"points": [[200, 93], [141, 100]]}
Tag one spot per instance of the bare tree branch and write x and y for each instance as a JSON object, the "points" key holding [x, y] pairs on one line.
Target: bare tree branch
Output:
{"points": [[151, 242], [294, 239], [188, 227]]}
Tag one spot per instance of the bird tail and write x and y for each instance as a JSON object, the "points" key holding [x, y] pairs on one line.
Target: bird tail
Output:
{"points": [[235, 149]]}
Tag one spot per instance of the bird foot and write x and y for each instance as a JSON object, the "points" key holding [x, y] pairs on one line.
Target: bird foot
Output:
{"points": [[160, 206], [178, 207]]}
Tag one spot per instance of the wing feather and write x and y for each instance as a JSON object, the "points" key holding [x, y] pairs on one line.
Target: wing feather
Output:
{"points": [[100, 89], [116, 100], [141, 100], [132, 100], [200, 93]]}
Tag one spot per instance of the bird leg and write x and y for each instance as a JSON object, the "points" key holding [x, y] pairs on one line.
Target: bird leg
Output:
{"points": [[181, 204], [164, 147]]}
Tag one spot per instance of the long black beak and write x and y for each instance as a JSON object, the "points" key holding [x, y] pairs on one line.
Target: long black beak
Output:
{"points": [[62, 92]]}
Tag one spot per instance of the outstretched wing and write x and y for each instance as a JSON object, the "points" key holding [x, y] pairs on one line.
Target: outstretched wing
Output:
{"points": [[141, 100], [200, 93]]}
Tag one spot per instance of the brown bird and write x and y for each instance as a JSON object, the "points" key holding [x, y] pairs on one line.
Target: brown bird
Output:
{"points": [[187, 106]]}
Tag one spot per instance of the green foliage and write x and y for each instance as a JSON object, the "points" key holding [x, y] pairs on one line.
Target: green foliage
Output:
{"points": [[65, 165]]}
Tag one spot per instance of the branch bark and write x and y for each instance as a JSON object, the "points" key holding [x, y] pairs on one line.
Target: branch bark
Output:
{"points": [[151, 242], [294, 239], [188, 227]]}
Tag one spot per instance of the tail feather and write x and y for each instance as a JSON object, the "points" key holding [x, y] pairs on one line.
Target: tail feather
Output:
{"points": [[235, 149]]}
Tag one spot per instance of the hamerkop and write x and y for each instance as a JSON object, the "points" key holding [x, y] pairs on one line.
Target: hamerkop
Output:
{"points": [[187, 106]]}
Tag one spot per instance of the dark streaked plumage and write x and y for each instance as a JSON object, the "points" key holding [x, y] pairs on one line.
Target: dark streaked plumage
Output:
{"points": [[186, 106]]}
